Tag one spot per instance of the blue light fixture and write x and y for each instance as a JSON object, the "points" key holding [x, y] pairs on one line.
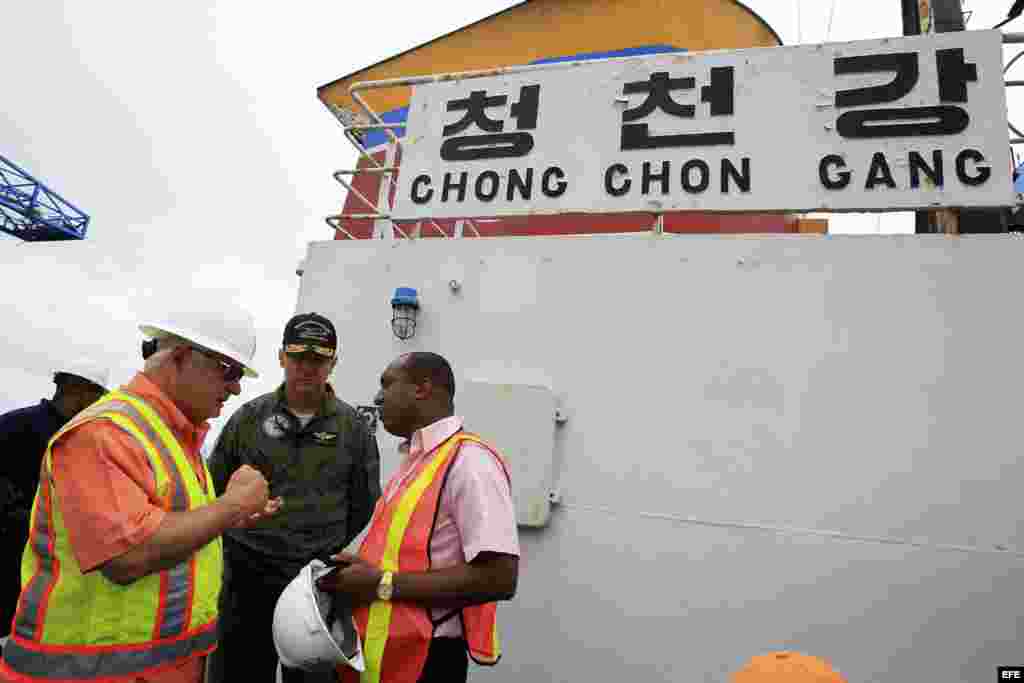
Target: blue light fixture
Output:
{"points": [[406, 305]]}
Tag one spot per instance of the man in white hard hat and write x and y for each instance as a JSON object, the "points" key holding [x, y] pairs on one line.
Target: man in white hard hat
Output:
{"points": [[122, 570], [24, 434]]}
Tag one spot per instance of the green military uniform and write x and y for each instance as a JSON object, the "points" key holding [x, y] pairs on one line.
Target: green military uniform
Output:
{"points": [[328, 474]]}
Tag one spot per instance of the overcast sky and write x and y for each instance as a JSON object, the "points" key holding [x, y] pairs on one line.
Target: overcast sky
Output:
{"points": [[193, 137]]}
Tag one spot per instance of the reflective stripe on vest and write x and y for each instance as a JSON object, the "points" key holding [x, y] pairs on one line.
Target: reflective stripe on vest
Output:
{"points": [[76, 627], [396, 635]]}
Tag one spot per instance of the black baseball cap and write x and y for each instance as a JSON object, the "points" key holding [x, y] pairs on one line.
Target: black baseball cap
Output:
{"points": [[310, 333]]}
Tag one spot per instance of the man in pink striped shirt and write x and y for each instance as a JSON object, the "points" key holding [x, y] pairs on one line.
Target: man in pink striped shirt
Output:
{"points": [[474, 548]]}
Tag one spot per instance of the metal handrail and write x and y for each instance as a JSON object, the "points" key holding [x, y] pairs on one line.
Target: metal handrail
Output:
{"points": [[360, 195], [335, 223], [1011, 39]]}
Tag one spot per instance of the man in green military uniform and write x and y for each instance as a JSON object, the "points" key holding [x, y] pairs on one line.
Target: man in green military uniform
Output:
{"points": [[318, 455]]}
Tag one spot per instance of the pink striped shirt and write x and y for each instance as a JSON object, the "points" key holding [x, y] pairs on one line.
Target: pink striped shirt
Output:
{"points": [[476, 512]]}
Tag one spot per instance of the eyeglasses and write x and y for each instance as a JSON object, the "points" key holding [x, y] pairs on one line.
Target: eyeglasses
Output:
{"points": [[232, 371]]}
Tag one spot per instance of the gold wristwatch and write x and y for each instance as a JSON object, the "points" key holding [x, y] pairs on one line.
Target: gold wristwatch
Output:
{"points": [[386, 586]]}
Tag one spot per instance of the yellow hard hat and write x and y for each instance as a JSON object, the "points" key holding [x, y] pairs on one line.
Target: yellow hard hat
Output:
{"points": [[787, 667]]}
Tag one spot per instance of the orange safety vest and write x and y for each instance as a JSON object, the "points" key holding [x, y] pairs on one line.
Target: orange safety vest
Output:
{"points": [[396, 635]]}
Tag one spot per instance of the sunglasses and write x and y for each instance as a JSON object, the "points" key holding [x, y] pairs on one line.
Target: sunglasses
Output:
{"points": [[232, 371], [299, 349]]}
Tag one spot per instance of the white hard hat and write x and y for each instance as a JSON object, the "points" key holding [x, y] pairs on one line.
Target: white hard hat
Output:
{"points": [[87, 369], [306, 633], [230, 332]]}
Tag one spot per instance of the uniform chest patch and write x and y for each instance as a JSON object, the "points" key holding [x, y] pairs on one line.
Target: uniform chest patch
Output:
{"points": [[275, 426]]}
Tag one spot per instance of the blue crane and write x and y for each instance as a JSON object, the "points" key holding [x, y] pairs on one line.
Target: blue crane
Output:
{"points": [[33, 212]]}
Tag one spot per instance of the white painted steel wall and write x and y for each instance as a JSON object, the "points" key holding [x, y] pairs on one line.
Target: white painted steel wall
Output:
{"points": [[773, 443]]}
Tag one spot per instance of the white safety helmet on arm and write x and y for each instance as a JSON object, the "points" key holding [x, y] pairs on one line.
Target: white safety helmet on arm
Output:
{"points": [[307, 634], [231, 332]]}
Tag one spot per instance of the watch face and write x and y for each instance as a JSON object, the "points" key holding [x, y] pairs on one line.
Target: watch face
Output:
{"points": [[385, 587]]}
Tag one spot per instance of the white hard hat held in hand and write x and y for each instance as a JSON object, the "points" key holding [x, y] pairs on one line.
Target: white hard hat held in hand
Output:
{"points": [[87, 369], [229, 331], [308, 635]]}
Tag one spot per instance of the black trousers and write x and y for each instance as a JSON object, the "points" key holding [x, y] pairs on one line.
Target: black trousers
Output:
{"points": [[447, 662], [245, 651], [246, 640]]}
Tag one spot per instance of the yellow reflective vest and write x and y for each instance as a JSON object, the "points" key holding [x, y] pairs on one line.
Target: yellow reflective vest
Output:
{"points": [[72, 626]]}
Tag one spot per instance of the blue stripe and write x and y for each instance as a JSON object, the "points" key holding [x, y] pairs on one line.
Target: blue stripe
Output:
{"points": [[375, 138], [178, 589], [626, 52]]}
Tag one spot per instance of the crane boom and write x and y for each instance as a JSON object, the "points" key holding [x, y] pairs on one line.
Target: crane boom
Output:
{"points": [[33, 212]]}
